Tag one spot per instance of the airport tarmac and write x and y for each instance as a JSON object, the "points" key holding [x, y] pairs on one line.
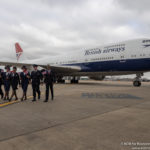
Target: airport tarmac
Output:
{"points": [[91, 115]]}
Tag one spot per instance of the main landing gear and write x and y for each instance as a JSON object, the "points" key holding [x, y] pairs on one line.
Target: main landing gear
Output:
{"points": [[137, 81], [74, 80], [60, 80]]}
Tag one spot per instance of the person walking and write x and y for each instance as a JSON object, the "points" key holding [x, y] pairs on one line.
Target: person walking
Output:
{"points": [[36, 77], [25, 78], [49, 80], [15, 80], [1, 83], [7, 81]]}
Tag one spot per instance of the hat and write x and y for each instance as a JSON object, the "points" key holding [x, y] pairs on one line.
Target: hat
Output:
{"points": [[7, 67], [24, 67], [35, 65]]}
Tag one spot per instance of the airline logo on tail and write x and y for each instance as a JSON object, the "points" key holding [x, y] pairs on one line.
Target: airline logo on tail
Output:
{"points": [[19, 51]]}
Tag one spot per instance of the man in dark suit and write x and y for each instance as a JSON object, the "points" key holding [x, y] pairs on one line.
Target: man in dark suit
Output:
{"points": [[36, 77], [1, 82], [49, 80]]}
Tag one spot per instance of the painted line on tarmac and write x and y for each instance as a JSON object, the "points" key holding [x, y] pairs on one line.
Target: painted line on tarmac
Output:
{"points": [[8, 103], [14, 102]]}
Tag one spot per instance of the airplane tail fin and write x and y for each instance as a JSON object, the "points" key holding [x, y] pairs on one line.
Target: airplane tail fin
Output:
{"points": [[19, 51]]}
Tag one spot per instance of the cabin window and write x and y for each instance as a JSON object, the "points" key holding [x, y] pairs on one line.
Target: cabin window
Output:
{"points": [[133, 56]]}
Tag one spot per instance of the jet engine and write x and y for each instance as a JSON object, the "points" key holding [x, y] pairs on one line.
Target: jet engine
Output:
{"points": [[100, 78]]}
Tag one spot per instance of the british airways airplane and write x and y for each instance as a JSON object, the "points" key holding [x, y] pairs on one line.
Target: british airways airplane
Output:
{"points": [[122, 58]]}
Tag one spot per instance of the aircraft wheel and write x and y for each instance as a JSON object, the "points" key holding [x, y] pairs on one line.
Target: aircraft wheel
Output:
{"points": [[137, 83], [60, 81], [74, 81]]}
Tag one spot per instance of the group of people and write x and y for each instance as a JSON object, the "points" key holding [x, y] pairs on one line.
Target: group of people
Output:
{"points": [[13, 79]]}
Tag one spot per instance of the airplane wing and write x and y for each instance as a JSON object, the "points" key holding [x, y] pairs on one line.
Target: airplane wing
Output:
{"points": [[64, 70], [59, 70]]}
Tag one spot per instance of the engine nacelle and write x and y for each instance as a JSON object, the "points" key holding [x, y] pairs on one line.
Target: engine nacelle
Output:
{"points": [[101, 77]]}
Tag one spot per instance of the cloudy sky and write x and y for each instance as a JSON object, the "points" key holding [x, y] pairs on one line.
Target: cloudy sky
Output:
{"points": [[53, 27]]}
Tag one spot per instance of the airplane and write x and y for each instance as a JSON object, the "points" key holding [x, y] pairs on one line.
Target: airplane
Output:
{"points": [[122, 58]]}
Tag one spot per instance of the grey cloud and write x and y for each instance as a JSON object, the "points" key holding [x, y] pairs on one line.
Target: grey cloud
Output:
{"points": [[135, 5], [66, 3], [139, 18]]}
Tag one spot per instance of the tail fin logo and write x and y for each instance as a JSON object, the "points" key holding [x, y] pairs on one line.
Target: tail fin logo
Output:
{"points": [[19, 51]]}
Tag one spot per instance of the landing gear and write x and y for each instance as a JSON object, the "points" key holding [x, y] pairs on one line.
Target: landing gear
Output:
{"points": [[137, 81], [74, 80], [60, 80]]}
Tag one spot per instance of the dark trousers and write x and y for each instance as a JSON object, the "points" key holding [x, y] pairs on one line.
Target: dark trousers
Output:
{"points": [[49, 85], [1, 91], [36, 89]]}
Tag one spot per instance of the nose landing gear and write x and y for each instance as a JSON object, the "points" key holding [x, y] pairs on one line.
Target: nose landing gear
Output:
{"points": [[137, 80], [137, 83]]}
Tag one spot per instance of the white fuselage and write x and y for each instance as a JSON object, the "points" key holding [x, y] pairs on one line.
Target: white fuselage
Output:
{"points": [[121, 58]]}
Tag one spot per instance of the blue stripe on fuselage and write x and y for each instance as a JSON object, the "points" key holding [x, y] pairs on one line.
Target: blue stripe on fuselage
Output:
{"points": [[114, 65]]}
